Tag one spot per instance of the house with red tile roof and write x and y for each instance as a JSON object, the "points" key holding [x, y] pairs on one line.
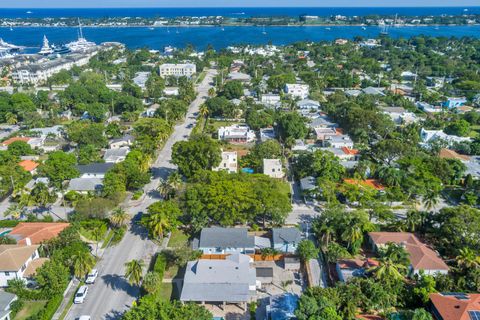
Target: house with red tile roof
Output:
{"points": [[420, 255], [455, 306], [36, 232], [29, 165]]}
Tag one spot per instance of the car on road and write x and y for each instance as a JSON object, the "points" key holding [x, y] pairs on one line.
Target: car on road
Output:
{"points": [[81, 295], [92, 276], [84, 318], [190, 125]]}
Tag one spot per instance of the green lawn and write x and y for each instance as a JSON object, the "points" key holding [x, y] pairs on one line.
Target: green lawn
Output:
{"points": [[165, 291], [178, 239], [29, 309]]}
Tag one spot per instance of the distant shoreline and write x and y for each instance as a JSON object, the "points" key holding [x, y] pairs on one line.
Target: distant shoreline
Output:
{"points": [[248, 25]]}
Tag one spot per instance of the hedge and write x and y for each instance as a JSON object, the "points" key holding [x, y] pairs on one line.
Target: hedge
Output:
{"points": [[51, 307], [8, 223], [160, 264]]}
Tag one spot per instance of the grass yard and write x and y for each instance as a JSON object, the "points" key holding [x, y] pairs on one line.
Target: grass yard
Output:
{"points": [[178, 239], [29, 309], [165, 291]]}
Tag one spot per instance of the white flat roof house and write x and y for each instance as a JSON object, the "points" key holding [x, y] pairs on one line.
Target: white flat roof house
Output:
{"points": [[177, 70], [270, 99], [236, 134], [232, 280], [273, 168], [432, 135], [228, 163], [296, 90], [141, 79]]}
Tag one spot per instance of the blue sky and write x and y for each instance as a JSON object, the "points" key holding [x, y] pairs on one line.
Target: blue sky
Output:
{"points": [[231, 3]]}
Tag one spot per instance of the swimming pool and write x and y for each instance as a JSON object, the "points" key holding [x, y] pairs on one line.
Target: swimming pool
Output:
{"points": [[4, 233]]}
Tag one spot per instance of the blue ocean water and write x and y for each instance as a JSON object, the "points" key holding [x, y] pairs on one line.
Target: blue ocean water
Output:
{"points": [[231, 12], [201, 37]]}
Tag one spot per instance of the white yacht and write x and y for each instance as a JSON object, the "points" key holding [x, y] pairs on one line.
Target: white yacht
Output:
{"points": [[81, 45], [46, 49], [8, 50]]}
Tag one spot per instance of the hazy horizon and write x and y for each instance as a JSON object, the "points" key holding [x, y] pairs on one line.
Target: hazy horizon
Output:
{"points": [[94, 4]]}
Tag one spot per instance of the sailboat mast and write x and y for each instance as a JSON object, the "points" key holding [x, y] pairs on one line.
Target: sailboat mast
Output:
{"points": [[80, 28]]}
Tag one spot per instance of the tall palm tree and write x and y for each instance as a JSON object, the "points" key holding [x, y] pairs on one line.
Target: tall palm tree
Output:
{"points": [[97, 234], [157, 224], [119, 217], [164, 189], [468, 259], [352, 235], [174, 180], [204, 111], [414, 220], [326, 231], [134, 271], [82, 264]]}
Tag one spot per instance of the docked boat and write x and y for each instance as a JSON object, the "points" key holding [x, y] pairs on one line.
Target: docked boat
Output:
{"points": [[8, 50], [81, 45], [46, 48]]}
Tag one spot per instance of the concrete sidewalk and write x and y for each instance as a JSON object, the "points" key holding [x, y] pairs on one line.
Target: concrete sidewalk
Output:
{"points": [[67, 297]]}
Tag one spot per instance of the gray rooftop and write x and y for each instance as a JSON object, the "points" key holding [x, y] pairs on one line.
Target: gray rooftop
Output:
{"points": [[120, 152], [5, 299], [219, 280], [85, 184], [226, 238], [308, 183], [286, 235], [94, 168]]}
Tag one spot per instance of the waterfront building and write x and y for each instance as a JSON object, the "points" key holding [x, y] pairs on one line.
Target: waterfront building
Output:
{"points": [[177, 70]]}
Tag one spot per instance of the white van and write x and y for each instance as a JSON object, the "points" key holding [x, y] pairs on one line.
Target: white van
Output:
{"points": [[81, 294]]}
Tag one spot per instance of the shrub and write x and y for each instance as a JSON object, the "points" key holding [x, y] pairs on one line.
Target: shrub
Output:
{"points": [[51, 307], [16, 306], [137, 194], [8, 223], [118, 234]]}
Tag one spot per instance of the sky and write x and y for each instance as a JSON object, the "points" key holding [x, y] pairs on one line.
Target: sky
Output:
{"points": [[231, 3]]}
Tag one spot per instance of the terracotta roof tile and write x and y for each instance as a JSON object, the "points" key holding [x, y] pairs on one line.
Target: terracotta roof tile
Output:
{"points": [[450, 307], [33, 266], [372, 183], [421, 256], [37, 232], [28, 165]]}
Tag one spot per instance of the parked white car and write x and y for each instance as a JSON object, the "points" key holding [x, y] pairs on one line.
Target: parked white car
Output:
{"points": [[84, 318], [91, 277], [81, 295]]}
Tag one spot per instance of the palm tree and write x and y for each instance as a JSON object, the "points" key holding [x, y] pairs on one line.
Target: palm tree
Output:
{"points": [[391, 176], [82, 264], [11, 118], [387, 270], [174, 180], [468, 259], [430, 200], [157, 224], [211, 92], [352, 235], [393, 263], [134, 271], [97, 234], [15, 211], [414, 219], [164, 189], [204, 111], [119, 217], [151, 282], [326, 231]]}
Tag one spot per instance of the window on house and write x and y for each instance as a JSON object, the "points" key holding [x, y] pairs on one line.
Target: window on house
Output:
{"points": [[7, 273]]}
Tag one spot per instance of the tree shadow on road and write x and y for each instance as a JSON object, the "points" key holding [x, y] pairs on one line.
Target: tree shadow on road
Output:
{"points": [[119, 283], [137, 229], [114, 315], [161, 172]]}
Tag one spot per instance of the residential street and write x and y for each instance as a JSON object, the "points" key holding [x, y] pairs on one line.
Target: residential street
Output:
{"points": [[111, 295]]}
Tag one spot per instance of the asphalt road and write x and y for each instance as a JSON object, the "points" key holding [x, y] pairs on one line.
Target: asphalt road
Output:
{"points": [[111, 294]]}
